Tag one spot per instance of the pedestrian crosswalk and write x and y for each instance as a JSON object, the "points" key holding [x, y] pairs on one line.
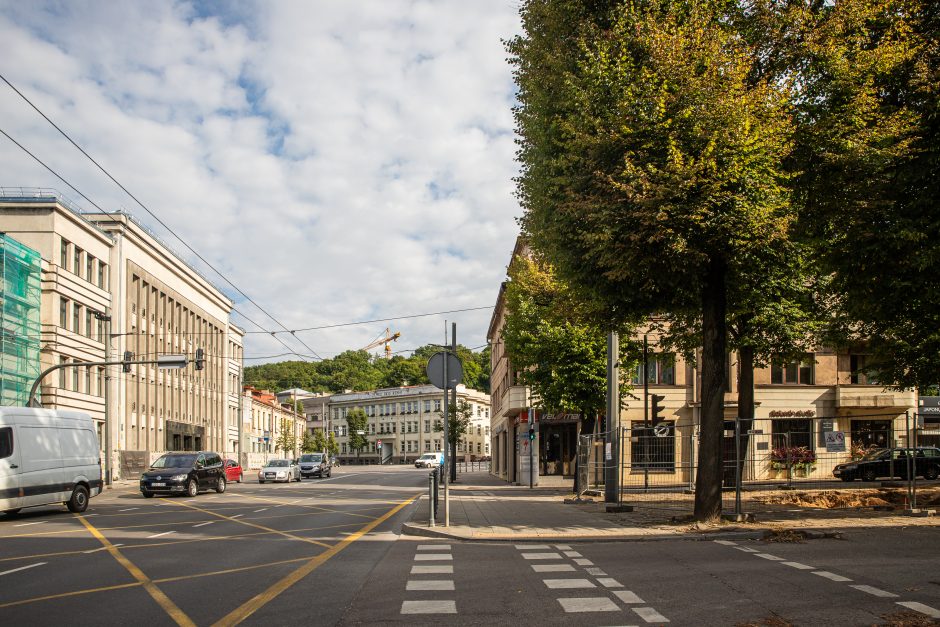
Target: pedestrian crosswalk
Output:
{"points": [[597, 587], [427, 581]]}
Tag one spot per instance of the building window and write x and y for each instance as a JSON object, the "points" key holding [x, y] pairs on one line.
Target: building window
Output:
{"points": [[63, 373], [427, 446], [427, 406], [437, 406], [90, 268], [77, 263], [862, 374], [101, 381], [795, 372], [792, 433], [64, 257], [660, 370], [75, 377], [427, 426], [89, 327], [101, 273], [63, 312], [76, 317], [88, 388]]}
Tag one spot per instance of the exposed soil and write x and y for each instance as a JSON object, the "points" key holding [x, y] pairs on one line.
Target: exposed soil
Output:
{"points": [[844, 499], [907, 618], [773, 621]]}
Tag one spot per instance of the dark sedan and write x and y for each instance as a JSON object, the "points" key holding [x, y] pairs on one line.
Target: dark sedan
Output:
{"points": [[890, 463], [184, 473]]}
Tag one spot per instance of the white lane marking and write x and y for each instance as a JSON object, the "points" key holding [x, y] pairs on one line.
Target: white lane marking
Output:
{"points": [[572, 554], [433, 557], [746, 549], [609, 582], [533, 547], [627, 597], [204, 524], [428, 607], [443, 569], [128, 509], [258, 511], [799, 566], [562, 547], [583, 562], [875, 591], [39, 522], [597, 572], [7, 572], [911, 605], [591, 604], [650, 615], [832, 576], [433, 547], [444, 584], [568, 583], [101, 548], [725, 542], [157, 535], [553, 568], [89, 515], [542, 556], [236, 516], [768, 556]]}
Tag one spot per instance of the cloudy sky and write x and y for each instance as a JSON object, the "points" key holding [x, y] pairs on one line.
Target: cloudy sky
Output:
{"points": [[337, 160]]}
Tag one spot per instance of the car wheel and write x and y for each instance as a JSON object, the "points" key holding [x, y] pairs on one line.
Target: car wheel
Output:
{"points": [[241, 477], [12, 512], [868, 475], [260, 480], [220, 486], [932, 473], [192, 488], [79, 501], [147, 494], [329, 473], [847, 479]]}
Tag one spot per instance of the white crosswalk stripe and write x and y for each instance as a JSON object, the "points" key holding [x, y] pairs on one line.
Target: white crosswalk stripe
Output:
{"points": [[650, 615], [428, 607], [588, 604], [568, 583]]}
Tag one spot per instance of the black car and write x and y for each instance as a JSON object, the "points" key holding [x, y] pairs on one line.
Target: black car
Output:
{"points": [[892, 462], [315, 465], [184, 473]]}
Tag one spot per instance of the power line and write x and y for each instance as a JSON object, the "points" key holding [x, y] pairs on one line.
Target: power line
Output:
{"points": [[145, 208], [109, 214], [350, 324]]}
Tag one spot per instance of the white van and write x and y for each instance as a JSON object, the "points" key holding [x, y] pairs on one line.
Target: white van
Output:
{"points": [[430, 460], [47, 456]]}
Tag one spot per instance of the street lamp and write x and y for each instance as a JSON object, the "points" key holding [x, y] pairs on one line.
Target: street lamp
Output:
{"points": [[103, 317]]}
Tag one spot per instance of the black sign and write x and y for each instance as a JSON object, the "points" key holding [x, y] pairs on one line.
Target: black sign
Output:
{"points": [[929, 405]]}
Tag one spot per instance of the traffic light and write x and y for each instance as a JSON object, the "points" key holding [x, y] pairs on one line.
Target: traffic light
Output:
{"points": [[200, 359], [655, 408], [128, 357], [531, 432]]}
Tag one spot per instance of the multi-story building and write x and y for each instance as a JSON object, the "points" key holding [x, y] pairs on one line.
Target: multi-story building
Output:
{"points": [[797, 403], [110, 286], [20, 297], [234, 356], [403, 423], [273, 425]]}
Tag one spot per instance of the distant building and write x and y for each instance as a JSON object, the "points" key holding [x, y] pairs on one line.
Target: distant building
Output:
{"points": [[269, 419]]}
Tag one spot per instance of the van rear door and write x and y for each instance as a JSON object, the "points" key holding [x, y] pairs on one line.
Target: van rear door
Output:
{"points": [[9, 470]]}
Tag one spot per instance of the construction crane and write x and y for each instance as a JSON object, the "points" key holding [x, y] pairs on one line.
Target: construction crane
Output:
{"points": [[386, 339]]}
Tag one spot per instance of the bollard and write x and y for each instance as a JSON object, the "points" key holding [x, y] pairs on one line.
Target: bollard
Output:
{"points": [[430, 499], [437, 485]]}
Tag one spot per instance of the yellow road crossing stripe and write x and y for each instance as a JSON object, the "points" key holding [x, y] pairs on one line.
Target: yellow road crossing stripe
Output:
{"points": [[260, 600], [256, 526], [162, 600]]}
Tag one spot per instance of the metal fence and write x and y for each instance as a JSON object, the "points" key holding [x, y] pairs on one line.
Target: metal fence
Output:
{"points": [[788, 466], [475, 466]]}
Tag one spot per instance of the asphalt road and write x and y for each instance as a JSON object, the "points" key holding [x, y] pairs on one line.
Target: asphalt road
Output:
{"points": [[327, 552]]}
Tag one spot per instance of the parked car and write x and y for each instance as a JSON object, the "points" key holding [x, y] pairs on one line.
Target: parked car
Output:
{"points": [[315, 464], [47, 456], [430, 460], [279, 470], [892, 462], [233, 471], [184, 473]]}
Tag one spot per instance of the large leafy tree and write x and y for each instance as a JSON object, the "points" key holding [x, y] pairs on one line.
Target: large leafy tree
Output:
{"points": [[287, 441], [356, 420], [652, 168]]}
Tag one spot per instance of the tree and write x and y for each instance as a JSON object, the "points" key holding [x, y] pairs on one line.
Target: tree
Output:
{"points": [[459, 417], [332, 446], [559, 352], [357, 421], [320, 443], [287, 441], [307, 444], [652, 168]]}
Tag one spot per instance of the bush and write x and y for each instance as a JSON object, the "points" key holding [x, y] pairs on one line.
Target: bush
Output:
{"points": [[796, 456]]}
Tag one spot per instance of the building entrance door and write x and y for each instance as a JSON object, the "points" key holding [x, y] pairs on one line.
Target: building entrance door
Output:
{"points": [[558, 448]]}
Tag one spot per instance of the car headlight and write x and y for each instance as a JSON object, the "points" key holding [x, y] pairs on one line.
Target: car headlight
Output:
{"points": [[281, 473], [178, 478], [850, 467]]}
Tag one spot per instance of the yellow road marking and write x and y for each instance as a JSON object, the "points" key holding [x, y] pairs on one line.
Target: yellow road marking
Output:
{"points": [[260, 600], [162, 600], [319, 508], [256, 526]]}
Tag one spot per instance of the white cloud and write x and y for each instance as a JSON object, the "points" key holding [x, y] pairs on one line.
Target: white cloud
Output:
{"points": [[338, 161]]}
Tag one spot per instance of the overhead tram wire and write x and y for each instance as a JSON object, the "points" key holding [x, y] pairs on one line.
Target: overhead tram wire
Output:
{"points": [[109, 214], [351, 324], [159, 221]]}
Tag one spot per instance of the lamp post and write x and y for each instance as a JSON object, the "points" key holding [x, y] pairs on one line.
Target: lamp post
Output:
{"points": [[106, 318]]}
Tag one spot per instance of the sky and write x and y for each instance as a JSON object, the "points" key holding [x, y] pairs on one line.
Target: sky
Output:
{"points": [[338, 161]]}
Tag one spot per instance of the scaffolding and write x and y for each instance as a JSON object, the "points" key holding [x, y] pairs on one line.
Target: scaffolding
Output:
{"points": [[20, 296]]}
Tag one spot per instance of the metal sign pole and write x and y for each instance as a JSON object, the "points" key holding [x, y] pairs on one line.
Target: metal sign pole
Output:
{"points": [[737, 466], [446, 469]]}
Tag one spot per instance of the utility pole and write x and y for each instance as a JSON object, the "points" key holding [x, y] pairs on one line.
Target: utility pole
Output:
{"points": [[452, 469], [612, 475], [446, 472], [108, 449]]}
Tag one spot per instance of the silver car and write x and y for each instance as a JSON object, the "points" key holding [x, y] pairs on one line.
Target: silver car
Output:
{"points": [[279, 470]]}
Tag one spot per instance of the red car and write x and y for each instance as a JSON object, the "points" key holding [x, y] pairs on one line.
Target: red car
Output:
{"points": [[233, 471]]}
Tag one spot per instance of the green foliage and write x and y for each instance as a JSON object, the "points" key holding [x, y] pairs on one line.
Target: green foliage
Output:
{"points": [[332, 446], [320, 442], [357, 421], [307, 444], [286, 442], [459, 422]]}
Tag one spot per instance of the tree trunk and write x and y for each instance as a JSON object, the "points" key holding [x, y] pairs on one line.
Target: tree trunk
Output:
{"points": [[745, 400], [714, 376]]}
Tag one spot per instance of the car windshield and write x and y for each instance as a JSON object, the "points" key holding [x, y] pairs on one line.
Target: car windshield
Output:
{"points": [[174, 461], [428, 456], [311, 458], [277, 463], [874, 455]]}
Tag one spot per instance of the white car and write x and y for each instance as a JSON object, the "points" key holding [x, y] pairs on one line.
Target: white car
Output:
{"points": [[279, 470], [430, 460]]}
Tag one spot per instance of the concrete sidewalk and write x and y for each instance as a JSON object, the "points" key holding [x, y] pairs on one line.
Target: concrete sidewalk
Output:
{"points": [[484, 508]]}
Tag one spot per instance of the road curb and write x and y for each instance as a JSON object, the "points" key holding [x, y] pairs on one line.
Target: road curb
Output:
{"points": [[409, 529]]}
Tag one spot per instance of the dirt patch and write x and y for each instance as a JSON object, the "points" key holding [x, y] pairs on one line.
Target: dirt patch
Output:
{"points": [[773, 621], [785, 536], [907, 619], [853, 499]]}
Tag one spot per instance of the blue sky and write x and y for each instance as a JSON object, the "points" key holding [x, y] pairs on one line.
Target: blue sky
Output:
{"points": [[339, 160]]}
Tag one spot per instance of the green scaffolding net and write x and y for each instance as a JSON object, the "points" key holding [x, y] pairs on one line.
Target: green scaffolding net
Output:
{"points": [[20, 295]]}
